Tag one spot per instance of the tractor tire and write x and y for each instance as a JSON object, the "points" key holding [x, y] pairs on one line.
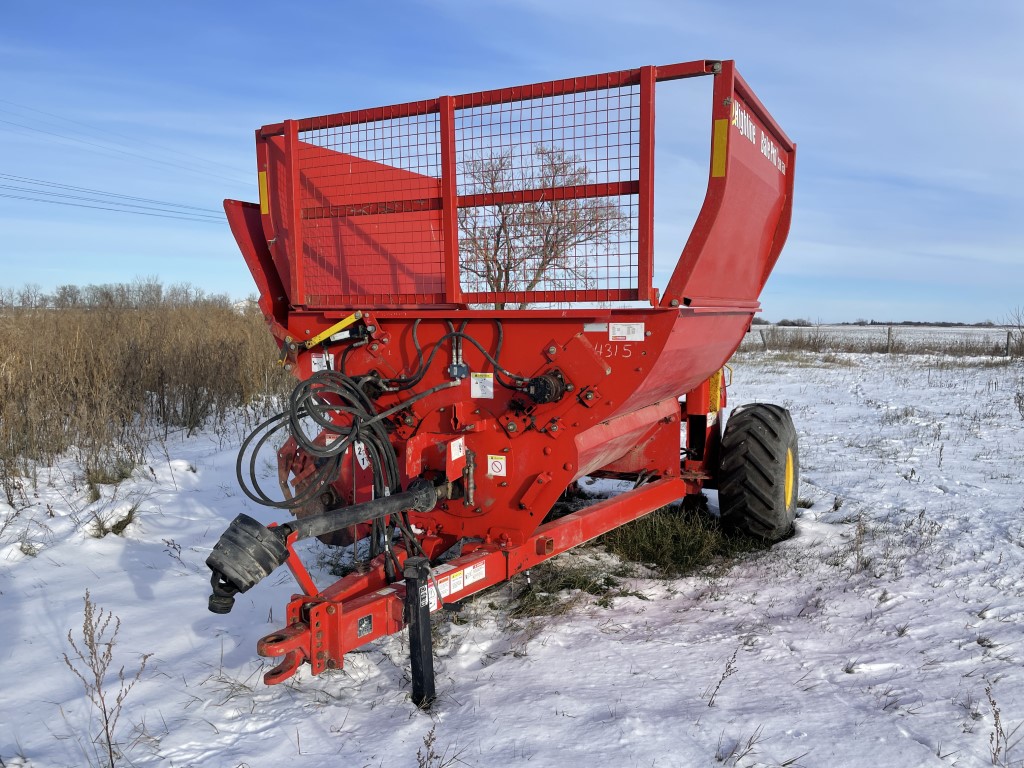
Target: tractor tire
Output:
{"points": [[759, 476]]}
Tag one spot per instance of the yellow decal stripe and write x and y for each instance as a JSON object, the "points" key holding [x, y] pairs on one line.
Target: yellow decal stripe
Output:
{"points": [[718, 146], [715, 392], [264, 197]]}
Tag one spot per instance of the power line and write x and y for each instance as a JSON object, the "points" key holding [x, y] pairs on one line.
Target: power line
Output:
{"points": [[41, 182], [116, 150], [104, 131], [117, 210], [120, 205]]}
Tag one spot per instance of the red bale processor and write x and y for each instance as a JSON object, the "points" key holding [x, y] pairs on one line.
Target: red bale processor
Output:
{"points": [[463, 287]]}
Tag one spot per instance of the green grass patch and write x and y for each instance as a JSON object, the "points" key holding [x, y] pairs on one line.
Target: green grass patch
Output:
{"points": [[675, 542]]}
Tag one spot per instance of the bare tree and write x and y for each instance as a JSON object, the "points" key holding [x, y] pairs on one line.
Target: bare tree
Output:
{"points": [[544, 245], [1015, 333]]}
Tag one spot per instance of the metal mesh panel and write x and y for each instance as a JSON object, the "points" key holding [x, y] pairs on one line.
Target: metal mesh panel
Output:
{"points": [[548, 192], [542, 189], [371, 212]]}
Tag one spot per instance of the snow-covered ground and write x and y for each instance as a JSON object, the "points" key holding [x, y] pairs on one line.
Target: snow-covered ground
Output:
{"points": [[886, 632]]}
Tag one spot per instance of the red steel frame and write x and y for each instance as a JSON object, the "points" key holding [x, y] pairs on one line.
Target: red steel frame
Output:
{"points": [[623, 418]]}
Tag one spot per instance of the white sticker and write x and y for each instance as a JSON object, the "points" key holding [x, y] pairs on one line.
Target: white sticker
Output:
{"points": [[321, 362], [456, 581], [595, 327], [474, 573], [625, 332], [497, 465], [361, 457], [444, 587], [481, 386], [457, 448]]}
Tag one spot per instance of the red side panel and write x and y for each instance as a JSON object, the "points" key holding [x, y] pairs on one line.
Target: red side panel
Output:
{"points": [[745, 218], [349, 208]]}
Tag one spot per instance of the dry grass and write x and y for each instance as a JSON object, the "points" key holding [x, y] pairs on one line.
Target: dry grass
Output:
{"points": [[105, 378]]}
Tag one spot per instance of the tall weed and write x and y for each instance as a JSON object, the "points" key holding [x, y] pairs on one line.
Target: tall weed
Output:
{"points": [[107, 375]]}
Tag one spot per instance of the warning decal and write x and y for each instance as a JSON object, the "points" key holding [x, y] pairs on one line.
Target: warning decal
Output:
{"points": [[481, 386], [458, 448], [497, 465], [321, 362], [451, 582], [474, 573]]}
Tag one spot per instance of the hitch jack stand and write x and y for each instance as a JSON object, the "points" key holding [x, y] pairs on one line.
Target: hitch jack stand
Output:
{"points": [[417, 610]]}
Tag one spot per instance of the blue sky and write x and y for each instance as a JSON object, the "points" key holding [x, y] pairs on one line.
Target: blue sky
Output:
{"points": [[908, 118]]}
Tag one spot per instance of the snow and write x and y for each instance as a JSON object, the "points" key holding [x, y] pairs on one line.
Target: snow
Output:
{"points": [[886, 632]]}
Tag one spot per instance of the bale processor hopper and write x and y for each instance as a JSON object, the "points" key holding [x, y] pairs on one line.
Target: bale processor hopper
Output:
{"points": [[463, 287]]}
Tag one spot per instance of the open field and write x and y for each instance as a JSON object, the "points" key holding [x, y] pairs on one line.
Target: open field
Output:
{"points": [[963, 341], [887, 631]]}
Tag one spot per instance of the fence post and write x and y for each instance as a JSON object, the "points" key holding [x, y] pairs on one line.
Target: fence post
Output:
{"points": [[1008, 335], [888, 342], [764, 341]]}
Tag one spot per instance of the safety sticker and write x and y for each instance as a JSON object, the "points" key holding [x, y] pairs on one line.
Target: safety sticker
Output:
{"points": [[497, 465], [625, 331], [474, 573], [457, 448], [321, 362], [456, 581], [481, 386]]}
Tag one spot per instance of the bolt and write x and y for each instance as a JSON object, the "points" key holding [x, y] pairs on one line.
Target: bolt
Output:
{"points": [[331, 610], [569, 387], [503, 484], [554, 427], [674, 302], [588, 396], [504, 450], [511, 426], [375, 347], [647, 333], [321, 655], [551, 350]]}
